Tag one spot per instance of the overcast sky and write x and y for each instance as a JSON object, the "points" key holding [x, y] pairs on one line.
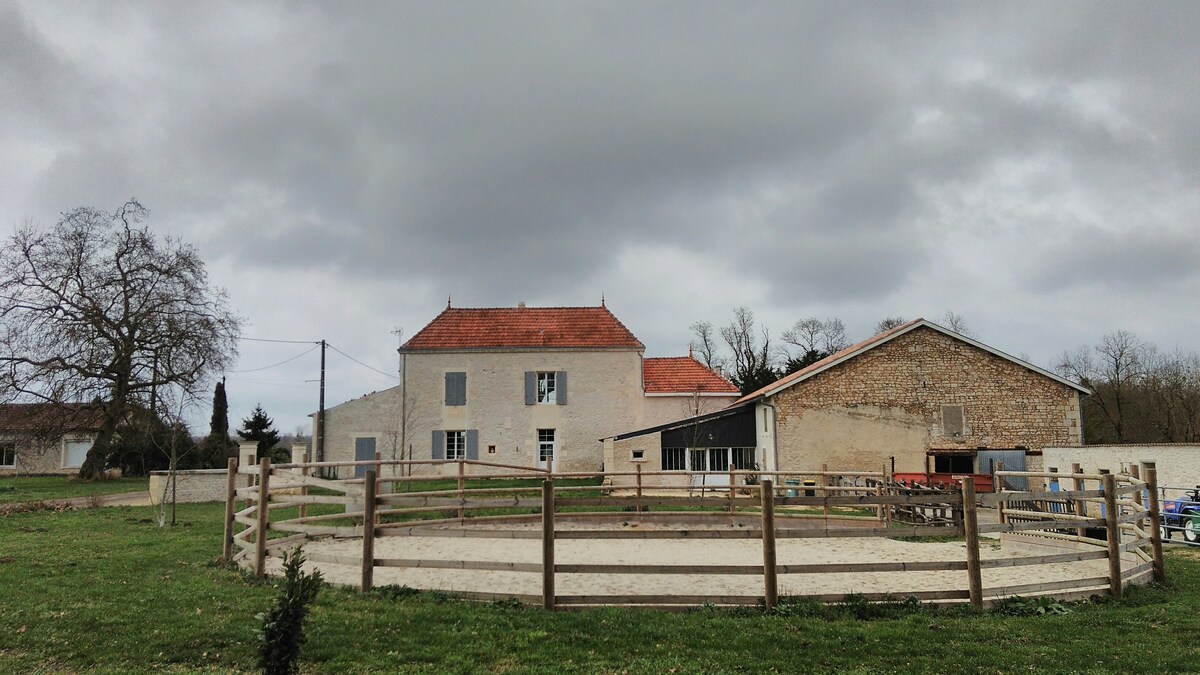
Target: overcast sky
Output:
{"points": [[345, 167]]}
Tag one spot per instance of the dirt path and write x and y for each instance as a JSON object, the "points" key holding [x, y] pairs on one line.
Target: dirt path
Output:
{"points": [[687, 552]]}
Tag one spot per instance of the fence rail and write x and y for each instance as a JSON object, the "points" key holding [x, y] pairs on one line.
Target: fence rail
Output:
{"points": [[1118, 516]]}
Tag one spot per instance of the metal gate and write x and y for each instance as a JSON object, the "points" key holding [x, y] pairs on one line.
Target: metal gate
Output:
{"points": [[1014, 460]]}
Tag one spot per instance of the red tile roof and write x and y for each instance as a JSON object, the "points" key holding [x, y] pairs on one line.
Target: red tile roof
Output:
{"points": [[33, 417], [682, 374], [524, 328]]}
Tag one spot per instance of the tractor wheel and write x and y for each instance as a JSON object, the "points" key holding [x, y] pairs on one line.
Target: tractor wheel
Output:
{"points": [[1164, 532], [1191, 529]]}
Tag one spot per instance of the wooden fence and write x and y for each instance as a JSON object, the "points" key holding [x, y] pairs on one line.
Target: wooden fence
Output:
{"points": [[371, 508]]}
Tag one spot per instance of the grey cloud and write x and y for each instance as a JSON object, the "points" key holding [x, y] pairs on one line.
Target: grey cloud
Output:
{"points": [[504, 151], [1119, 261]]}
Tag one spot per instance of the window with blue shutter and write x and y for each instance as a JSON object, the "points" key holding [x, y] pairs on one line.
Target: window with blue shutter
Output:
{"points": [[530, 387], [456, 388], [439, 444]]}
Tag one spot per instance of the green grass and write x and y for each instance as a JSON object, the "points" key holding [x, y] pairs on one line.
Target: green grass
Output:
{"points": [[106, 590], [36, 488]]}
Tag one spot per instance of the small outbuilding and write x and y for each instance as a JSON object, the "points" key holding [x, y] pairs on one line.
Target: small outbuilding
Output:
{"points": [[42, 438]]}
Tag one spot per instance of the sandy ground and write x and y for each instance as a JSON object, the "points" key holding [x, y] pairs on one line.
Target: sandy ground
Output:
{"points": [[684, 552]]}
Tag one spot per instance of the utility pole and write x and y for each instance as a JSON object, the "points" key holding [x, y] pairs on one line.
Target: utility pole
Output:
{"points": [[321, 411]]}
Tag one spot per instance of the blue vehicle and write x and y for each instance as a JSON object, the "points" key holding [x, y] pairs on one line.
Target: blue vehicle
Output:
{"points": [[1182, 515]]}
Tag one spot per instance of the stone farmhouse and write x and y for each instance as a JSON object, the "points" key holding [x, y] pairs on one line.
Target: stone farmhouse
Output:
{"points": [[525, 386], [40, 438], [918, 398]]}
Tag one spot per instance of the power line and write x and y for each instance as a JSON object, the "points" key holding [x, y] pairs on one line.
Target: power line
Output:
{"points": [[361, 363], [286, 342], [255, 370]]}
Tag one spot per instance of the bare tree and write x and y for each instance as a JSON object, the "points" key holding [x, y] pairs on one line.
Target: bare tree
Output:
{"points": [[1172, 384], [705, 346], [806, 334], [889, 323], [99, 308], [956, 323], [816, 340], [398, 440], [752, 359], [173, 403], [1113, 370]]}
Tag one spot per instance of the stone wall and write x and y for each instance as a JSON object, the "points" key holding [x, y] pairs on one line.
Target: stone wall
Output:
{"points": [[200, 485], [1178, 464], [888, 402]]}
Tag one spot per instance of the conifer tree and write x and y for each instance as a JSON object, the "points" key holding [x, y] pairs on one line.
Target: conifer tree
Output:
{"points": [[219, 426], [260, 427]]}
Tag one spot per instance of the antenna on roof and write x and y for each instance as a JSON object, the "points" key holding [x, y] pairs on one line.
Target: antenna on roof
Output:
{"points": [[447, 301], [601, 298]]}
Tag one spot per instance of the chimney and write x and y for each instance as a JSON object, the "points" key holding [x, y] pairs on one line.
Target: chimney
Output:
{"points": [[521, 305]]}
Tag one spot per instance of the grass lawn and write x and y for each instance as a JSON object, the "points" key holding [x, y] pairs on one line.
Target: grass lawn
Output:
{"points": [[106, 590], [35, 488]]}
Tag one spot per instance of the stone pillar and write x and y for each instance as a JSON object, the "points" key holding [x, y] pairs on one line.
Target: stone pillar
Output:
{"points": [[299, 453], [248, 453]]}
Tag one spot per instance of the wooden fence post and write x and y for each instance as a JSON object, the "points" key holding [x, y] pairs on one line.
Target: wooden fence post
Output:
{"points": [[1113, 532], [264, 523], [825, 488], [732, 486], [971, 530], [462, 483], [998, 488], [378, 479], [368, 546], [230, 493], [302, 512], [1139, 497], [770, 580], [887, 488], [1080, 506], [639, 481], [548, 544], [1160, 572]]}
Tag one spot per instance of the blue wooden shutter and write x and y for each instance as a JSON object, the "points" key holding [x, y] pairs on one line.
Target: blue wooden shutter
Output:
{"points": [[439, 444], [472, 444], [456, 388], [530, 387], [560, 387]]}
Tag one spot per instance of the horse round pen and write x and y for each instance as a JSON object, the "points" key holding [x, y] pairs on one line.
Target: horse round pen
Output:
{"points": [[481, 530]]}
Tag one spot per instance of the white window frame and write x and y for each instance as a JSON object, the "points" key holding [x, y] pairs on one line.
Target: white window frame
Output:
{"points": [[638, 455], [683, 454], [547, 387], [547, 440], [456, 445], [11, 448], [68, 440]]}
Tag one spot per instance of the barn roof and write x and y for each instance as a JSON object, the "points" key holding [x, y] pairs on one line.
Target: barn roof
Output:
{"points": [[883, 338]]}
